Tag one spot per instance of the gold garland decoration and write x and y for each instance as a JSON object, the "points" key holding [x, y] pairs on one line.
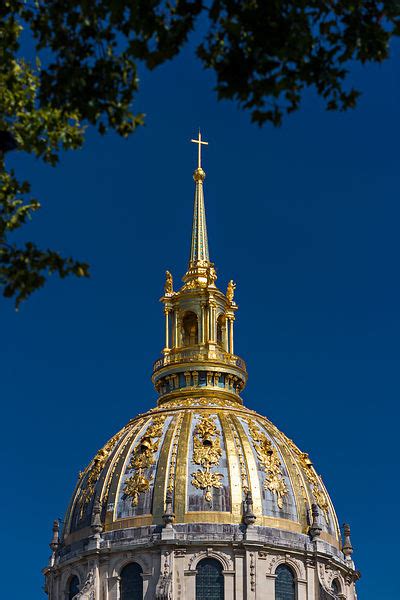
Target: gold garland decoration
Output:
{"points": [[207, 453], [95, 469], [306, 463], [270, 461], [143, 458]]}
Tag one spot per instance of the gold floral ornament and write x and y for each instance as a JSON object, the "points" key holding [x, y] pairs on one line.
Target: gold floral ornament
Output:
{"points": [[142, 459], [270, 461], [318, 493], [95, 469], [207, 453], [313, 479]]}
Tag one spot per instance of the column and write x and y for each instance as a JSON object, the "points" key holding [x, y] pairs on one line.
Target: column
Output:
{"points": [[203, 325], [190, 584], [231, 319], [312, 580], [229, 583], [113, 588], [214, 323], [166, 312], [177, 340], [225, 335], [148, 583], [240, 591], [211, 311]]}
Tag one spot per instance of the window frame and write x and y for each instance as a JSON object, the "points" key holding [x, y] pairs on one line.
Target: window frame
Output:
{"points": [[71, 578], [211, 559], [280, 568], [140, 573]]}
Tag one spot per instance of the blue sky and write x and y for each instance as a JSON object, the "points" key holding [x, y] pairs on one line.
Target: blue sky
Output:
{"points": [[304, 218]]}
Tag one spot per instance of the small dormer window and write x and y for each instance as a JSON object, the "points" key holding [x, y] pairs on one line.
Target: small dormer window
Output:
{"points": [[336, 587], [73, 587], [190, 329]]}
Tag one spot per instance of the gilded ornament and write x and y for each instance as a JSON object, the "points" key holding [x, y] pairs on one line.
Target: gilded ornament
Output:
{"points": [[194, 402], [242, 462], [211, 275], [207, 480], [306, 463], [174, 454], [207, 453], [136, 485], [142, 459], [230, 291], [94, 471], [169, 284], [270, 461]]}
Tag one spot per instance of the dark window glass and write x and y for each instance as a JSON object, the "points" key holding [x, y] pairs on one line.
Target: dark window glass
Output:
{"points": [[335, 587], [285, 588], [131, 582], [209, 580], [73, 587], [190, 333]]}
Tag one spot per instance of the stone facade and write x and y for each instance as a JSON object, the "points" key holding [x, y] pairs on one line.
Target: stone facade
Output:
{"points": [[169, 556]]}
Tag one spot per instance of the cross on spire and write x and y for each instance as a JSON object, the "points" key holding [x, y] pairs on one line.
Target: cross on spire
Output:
{"points": [[199, 142]]}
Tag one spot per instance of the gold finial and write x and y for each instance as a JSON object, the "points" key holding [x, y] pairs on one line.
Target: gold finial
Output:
{"points": [[199, 142]]}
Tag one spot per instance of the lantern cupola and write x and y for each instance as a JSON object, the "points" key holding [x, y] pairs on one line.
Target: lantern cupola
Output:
{"points": [[198, 354]]}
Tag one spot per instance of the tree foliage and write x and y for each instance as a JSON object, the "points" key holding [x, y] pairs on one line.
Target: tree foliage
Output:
{"points": [[264, 53]]}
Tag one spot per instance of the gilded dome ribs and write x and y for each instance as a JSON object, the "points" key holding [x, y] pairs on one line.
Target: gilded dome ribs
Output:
{"points": [[94, 471], [174, 454], [207, 453], [242, 462], [234, 468]]}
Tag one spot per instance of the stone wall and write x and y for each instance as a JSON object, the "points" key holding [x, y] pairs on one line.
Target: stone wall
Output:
{"points": [[169, 557]]}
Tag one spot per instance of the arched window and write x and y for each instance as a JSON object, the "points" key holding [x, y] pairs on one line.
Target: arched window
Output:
{"points": [[285, 587], [73, 587], [131, 582], [190, 331], [336, 589], [209, 580], [221, 330]]}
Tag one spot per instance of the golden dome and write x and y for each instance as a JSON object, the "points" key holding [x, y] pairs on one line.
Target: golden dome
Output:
{"points": [[205, 454], [200, 456]]}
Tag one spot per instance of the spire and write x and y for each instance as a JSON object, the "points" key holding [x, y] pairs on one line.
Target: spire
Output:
{"points": [[347, 547], [315, 529], [55, 542], [198, 354], [199, 254]]}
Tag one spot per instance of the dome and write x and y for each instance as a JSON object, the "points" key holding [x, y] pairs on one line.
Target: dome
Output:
{"points": [[200, 490], [207, 455]]}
